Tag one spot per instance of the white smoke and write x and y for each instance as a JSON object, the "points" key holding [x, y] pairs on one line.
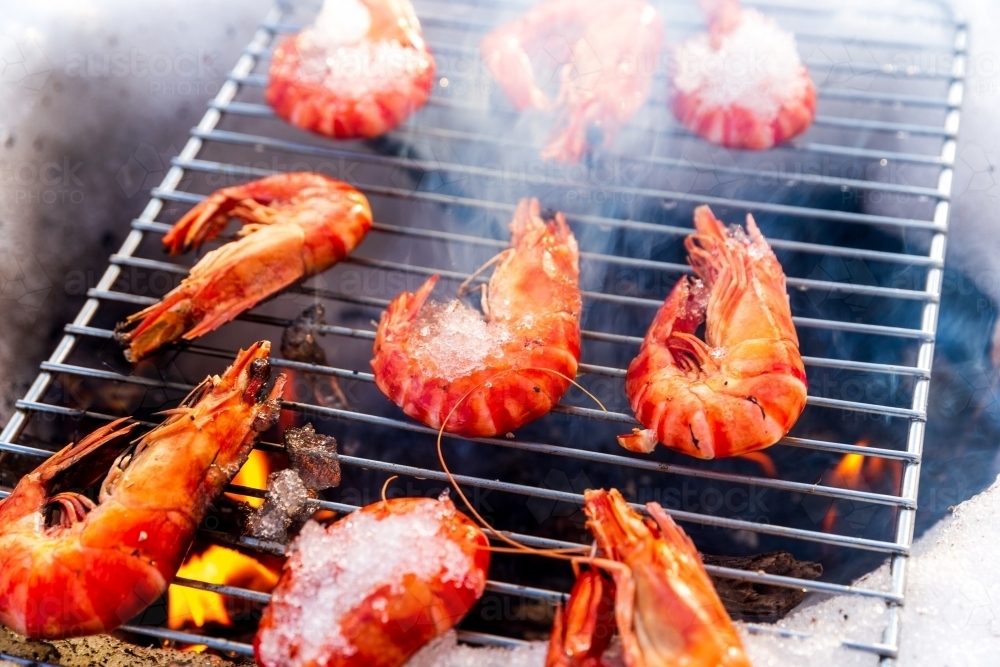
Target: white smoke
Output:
{"points": [[95, 97]]}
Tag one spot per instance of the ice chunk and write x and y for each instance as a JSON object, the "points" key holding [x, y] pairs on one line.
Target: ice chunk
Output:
{"points": [[335, 569], [285, 503], [445, 651], [456, 339], [756, 67], [314, 457], [340, 22]]}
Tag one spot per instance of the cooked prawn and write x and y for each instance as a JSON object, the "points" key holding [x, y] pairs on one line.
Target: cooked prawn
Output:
{"points": [[358, 71], [446, 363], [743, 84], [374, 587], [610, 48], [295, 225], [583, 630], [70, 566], [666, 608], [743, 387]]}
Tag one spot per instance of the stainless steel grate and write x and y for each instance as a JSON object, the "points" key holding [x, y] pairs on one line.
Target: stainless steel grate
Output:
{"points": [[442, 187]]}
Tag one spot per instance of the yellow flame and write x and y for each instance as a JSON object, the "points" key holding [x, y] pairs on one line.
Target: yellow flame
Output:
{"points": [[216, 565], [253, 474], [848, 472]]}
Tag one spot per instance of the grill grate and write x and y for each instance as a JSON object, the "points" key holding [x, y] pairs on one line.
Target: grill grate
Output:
{"points": [[443, 162]]}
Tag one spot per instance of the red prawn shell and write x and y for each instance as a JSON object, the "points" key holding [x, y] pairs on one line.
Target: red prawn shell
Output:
{"points": [[539, 277], [738, 127], [304, 99], [425, 608], [102, 570]]}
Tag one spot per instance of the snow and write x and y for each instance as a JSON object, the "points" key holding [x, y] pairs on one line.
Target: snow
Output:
{"points": [[332, 570], [952, 611], [445, 651], [951, 615], [756, 67], [828, 622], [456, 339]]}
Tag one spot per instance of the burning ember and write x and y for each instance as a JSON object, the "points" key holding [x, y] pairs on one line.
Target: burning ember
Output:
{"points": [[189, 607]]}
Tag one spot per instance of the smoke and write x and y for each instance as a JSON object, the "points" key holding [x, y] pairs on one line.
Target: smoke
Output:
{"points": [[95, 98]]}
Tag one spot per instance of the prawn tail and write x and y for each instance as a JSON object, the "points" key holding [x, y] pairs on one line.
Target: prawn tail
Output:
{"points": [[163, 322], [572, 140], [403, 310], [528, 226], [202, 223], [681, 313], [641, 441]]}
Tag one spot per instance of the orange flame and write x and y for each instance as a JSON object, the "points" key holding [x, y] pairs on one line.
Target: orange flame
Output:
{"points": [[216, 565], [848, 473], [253, 474], [861, 473], [765, 462]]}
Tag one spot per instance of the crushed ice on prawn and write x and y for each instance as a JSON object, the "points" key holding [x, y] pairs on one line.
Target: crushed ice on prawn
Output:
{"points": [[374, 587], [359, 70], [743, 85]]}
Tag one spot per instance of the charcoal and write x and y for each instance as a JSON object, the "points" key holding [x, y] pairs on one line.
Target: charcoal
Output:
{"points": [[286, 502], [314, 456], [298, 343], [751, 601]]}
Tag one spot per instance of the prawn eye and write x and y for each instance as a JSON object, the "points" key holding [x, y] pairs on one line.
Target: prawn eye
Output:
{"points": [[260, 371]]}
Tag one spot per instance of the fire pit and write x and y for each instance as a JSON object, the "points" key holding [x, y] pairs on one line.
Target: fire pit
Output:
{"points": [[857, 212]]}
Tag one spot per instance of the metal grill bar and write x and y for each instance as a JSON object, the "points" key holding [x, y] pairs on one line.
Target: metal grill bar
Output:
{"points": [[646, 227], [211, 166], [929, 264], [816, 489]]}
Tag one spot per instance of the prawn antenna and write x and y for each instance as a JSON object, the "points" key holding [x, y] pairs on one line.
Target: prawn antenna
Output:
{"points": [[513, 545], [385, 487]]}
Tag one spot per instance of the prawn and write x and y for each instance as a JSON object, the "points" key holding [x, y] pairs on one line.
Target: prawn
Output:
{"points": [[374, 587], [582, 631], [610, 49], [358, 71], [742, 388], [666, 608], [295, 225], [70, 566], [742, 85], [447, 366]]}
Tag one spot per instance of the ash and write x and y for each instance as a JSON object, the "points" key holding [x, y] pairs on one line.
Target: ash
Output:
{"points": [[286, 503], [314, 457], [445, 651]]}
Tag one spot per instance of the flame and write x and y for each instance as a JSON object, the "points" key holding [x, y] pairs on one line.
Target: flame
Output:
{"points": [[253, 474], [849, 471], [216, 565], [861, 473], [765, 462]]}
